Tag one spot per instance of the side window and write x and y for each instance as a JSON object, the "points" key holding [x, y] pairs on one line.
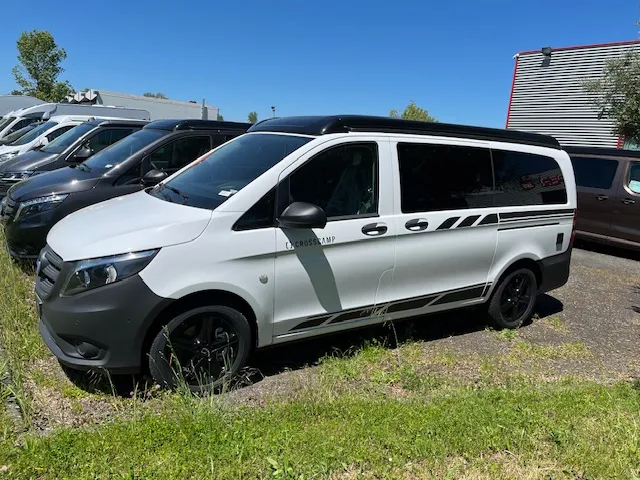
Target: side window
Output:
{"points": [[343, 181], [444, 177], [104, 138], [172, 156], [594, 172], [633, 182], [56, 133], [527, 179], [260, 215], [21, 124]]}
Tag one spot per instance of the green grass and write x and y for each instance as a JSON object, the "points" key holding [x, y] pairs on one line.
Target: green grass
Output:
{"points": [[586, 429]]}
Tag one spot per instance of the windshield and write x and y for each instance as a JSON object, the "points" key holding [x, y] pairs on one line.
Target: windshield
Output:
{"points": [[210, 182], [18, 133], [4, 121], [35, 133], [114, 154], [67, 139]]}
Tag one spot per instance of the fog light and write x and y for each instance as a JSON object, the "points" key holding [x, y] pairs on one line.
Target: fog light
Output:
{"points": [[87, 350]]}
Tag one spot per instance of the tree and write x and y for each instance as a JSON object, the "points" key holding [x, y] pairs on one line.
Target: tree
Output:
{"points": [[220, 118], [413, 112], [15, 92], [253, 117], [155, 95], [39, 68], [616, 95]]}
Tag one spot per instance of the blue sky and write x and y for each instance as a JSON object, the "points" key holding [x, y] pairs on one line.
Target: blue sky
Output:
{"points": [[454, 58]]}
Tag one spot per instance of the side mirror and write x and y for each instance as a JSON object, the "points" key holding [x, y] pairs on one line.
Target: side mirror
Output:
{"points": [[153, 177], [40, 143], [302, 215], [81, 155]]}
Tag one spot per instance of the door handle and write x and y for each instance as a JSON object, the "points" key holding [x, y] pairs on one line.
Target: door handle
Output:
{"points": [[602, 197], [628, 201], [416, 224], [374, 229]]}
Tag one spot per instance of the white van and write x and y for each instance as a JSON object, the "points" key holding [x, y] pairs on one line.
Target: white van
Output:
{"points": [[15, 120], [301, 227], [41, 135]]}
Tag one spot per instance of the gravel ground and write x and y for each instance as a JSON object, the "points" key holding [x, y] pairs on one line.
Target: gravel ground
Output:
{"points": [[589, 328]]}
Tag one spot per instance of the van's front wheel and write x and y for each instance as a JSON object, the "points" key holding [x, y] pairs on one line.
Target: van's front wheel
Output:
{"points": [[201, 349], [514, 299]]}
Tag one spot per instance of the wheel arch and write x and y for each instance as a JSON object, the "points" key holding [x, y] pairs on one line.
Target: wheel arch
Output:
{"points": [[194, 300], [528, 262]]}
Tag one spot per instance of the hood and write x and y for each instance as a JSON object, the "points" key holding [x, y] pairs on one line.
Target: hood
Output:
{"points": [[9, 148], [28, 161], [130, 223], [63, 180]]}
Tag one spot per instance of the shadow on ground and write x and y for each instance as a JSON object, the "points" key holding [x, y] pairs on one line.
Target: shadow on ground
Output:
{"points": [[608, 250], [304, 353]]}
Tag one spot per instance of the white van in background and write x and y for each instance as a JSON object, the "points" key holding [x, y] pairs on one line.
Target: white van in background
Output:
{"points": [[42, 134], [17, 119], [302, 227]]}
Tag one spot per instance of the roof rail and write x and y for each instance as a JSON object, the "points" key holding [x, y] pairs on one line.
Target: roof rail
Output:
{"points": [[193, 124], [610, 152], [323, 125]]}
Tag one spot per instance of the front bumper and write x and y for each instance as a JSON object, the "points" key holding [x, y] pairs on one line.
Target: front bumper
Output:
{"points": [[26, 240], [103, 328]]}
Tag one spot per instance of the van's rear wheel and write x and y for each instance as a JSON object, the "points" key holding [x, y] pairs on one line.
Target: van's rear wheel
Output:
{"points": [[202, 348], [514, 299]]}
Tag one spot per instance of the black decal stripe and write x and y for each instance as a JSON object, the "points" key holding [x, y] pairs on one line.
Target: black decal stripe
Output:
{"points": [[448, 223], [467, 294], [548, 217], [489, 219], [313, 322], [535, 213], [467, 222], [517, 227], [351, 315], [472, 292], [411, 304]]}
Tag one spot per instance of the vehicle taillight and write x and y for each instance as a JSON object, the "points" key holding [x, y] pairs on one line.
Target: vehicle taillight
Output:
{"points": [[573, 228]]}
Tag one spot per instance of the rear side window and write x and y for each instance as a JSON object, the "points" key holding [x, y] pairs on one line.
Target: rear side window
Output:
{"points": [[527, 179], [594, 172], [444, 177]]}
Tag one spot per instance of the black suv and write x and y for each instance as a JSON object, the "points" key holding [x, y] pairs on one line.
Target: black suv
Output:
{"points": [[143, 158], [70, 148]]}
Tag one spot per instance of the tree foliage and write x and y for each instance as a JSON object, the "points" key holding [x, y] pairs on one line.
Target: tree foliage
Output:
{"points": [[220, 118], [616, 94], [155, 95], [253, 117], [413, 112], [40, 65]]}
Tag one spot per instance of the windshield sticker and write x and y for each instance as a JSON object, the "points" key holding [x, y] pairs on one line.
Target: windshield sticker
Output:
{"points": [[227, 193]]}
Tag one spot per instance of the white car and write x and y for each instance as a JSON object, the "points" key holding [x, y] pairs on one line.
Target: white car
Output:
{"points": [[302, 227], [41, 135]]}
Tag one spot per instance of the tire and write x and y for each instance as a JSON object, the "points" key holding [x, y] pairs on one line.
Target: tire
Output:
{"points": [[202, 349], [501, 310]]}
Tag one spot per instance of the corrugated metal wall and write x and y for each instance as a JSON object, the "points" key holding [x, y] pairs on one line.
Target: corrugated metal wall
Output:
{"points": [[548, 96]]}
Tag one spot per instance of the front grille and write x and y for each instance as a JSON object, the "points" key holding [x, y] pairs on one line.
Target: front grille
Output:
{"points": [[48, 270]]}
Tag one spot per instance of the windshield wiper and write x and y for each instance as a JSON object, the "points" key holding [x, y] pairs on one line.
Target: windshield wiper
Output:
{"points": [[184, 196]]}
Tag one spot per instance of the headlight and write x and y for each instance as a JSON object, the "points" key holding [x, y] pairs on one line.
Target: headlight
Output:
{"points": [[8, 156], [39, 205], [94, 273]]}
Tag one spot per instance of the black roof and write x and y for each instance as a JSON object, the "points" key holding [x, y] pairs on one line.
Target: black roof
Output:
{"points": [[609, 152], [322, 125], [124, 122], [173, 125]]}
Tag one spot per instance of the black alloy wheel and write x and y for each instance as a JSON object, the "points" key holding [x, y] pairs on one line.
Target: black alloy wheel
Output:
{"points": [[202, 349], [514, 299]]}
